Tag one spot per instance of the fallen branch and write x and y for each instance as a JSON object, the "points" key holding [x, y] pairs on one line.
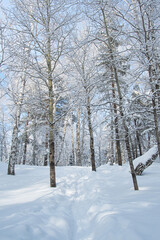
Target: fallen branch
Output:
{"points": [[144, 161]]}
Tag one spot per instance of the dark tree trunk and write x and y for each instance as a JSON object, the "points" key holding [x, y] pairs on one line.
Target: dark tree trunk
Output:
{"points": [[25, 150], [51, 137], [73, 154], [78, 150], [133, 147], [138, 139], [51, 101], [46, 148], [25, 142], [91, 136], [118, 145], [156, 124]]}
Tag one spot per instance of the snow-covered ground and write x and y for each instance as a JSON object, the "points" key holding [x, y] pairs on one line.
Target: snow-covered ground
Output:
{"points": [[85, 205]]}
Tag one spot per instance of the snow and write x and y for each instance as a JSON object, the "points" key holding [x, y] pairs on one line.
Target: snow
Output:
{"points": [[148, 155], [85, 205]]}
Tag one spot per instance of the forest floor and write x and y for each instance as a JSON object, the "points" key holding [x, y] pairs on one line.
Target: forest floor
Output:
{"points": [[85, 205]]}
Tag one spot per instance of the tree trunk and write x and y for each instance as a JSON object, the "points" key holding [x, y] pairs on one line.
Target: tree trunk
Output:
{"points": [[134, 178], [25, 142], [91, 136], [156, 124], [51, 102], [118, 146], [72, 135], [34, 143], [133, 147], [78, 151], [82, 137], [46, 149], [138, 139], [51, 137], [112, 160], [13, 154]]}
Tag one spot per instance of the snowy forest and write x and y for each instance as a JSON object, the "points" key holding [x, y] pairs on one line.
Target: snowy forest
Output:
{"points": [[79, 82], [79, 119]]}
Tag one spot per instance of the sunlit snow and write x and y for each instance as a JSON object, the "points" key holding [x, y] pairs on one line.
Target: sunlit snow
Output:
{"points": [[85, 205]]}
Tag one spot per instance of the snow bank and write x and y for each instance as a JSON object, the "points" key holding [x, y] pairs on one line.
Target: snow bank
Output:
{"points": [[85, 205]]}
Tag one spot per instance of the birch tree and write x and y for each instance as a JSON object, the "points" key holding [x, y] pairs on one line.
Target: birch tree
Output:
{"points": [[46, 25]]}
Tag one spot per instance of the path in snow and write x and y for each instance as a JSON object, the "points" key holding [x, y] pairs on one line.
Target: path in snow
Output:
{"points": [[85, 205], [103, 205]]}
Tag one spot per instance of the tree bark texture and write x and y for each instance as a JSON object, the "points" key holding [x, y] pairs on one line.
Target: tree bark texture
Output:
{"points": [[78, 150], [25, 142], [51, 137], [51, 102], [91, 136], [72, 135], [46, 148]]}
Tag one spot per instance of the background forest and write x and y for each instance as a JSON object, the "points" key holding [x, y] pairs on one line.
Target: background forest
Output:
{"points": [[79, 81]]}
